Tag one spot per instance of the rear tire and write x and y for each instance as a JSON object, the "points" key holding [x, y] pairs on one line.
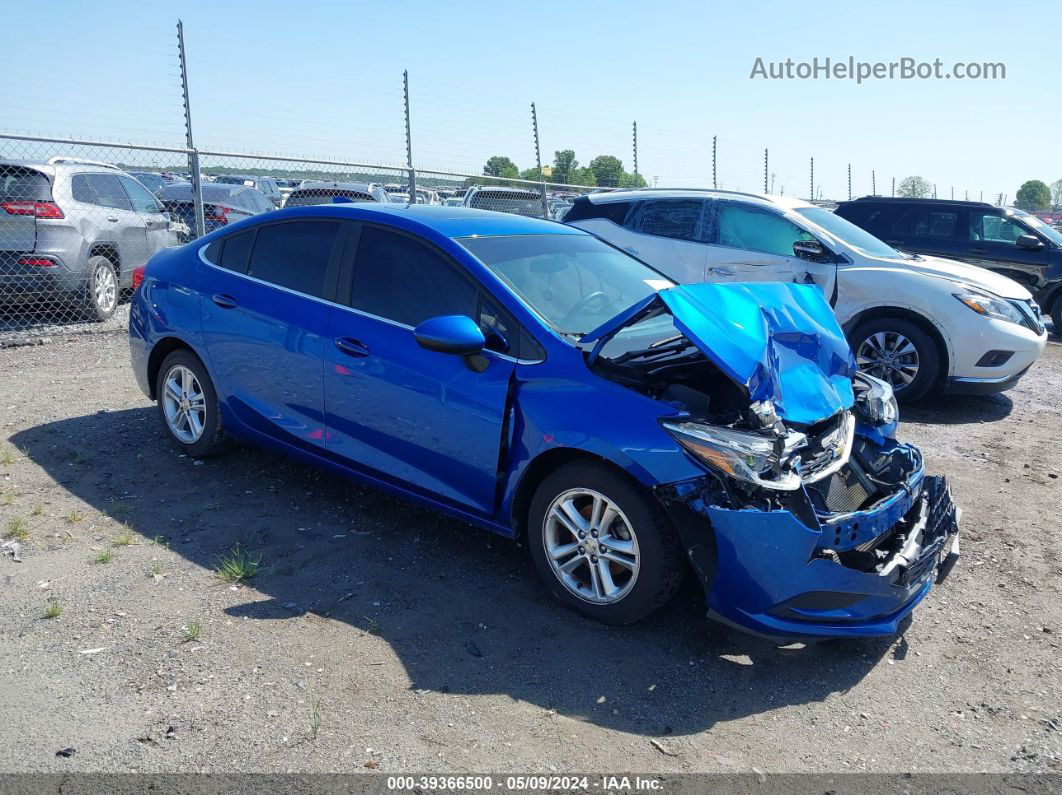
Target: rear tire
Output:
{"points": [[629, 561], [100, 299], [1056, 315], [899, 352], [188, 406]]}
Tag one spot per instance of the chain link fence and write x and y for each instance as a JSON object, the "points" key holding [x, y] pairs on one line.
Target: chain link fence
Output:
{"points": [[79, 218]]}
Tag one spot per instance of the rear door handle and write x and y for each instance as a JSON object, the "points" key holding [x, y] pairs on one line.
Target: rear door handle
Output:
{"points": [[721, 271], [978, 251], [631, 250], [224, 301], [351, 347], [112, 219]]}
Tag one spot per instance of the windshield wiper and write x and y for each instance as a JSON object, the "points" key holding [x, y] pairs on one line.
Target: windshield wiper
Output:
{"points": [[659, 349]]}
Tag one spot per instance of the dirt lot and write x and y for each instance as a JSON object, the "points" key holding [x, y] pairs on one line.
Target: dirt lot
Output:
{"points": [[381, 636]]}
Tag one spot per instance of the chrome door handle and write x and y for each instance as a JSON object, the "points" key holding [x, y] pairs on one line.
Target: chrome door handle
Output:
{"points": [[224, 301], [631, 250], [112, 219], [721, 271]]}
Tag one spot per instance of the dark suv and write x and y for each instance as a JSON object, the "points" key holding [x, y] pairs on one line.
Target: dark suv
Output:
{"points": [[1003, 239]]}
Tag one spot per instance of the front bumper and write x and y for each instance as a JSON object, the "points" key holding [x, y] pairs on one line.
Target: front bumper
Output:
{"points": [[982, 386], [772, 574]]}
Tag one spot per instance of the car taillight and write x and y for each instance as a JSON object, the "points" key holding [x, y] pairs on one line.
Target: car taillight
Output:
{"points": [[34, 208], [219, 215], [138, 276], [38, 262]]}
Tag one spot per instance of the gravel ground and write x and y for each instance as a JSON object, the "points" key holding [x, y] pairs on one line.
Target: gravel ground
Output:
{"points": [[377, 635]]}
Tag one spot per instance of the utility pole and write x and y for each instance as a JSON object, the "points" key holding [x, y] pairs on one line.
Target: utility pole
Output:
{"points": [[409, 141], [873, 184], [538, 160], [715, 181], [849, 182], [772, 184], [635, 147], [953, 193], [193, 155], [765, 171], [894, 187]]}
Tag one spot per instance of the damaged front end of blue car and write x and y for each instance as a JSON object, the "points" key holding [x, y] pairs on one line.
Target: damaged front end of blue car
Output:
{"points": [[810, 521]]}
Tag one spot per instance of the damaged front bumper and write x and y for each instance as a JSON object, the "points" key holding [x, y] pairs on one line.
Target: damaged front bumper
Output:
{"points": [[803, 572]]}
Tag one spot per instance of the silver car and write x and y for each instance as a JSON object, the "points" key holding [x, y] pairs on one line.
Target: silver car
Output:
{"points": [[72, 232]]}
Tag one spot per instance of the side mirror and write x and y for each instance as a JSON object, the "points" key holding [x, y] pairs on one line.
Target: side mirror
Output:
{"points": [[1029, 242], [456, 334], [810, 249]]}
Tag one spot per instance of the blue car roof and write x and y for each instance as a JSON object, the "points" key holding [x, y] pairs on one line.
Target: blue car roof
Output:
{"points": [[448, 221]]}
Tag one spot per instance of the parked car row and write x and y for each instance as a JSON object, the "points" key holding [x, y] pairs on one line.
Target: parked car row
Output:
{"points": [[920, 322], [536, 380]]}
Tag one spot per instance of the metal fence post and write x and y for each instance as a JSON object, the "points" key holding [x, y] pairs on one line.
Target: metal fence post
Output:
{"points": [[812, 179], [873, 183], [715, 181], [765, 171], [849, 182], [193, 155], [636, 148], [894, 187], [538, 160], [409, 141]]}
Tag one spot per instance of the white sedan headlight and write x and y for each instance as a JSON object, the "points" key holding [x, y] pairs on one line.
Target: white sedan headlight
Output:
{"points": [[990, 306]]}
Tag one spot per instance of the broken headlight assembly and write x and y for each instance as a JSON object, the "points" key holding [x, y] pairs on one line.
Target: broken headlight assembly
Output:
{"points": [[761, 458], [875, 400], [990, 306]]}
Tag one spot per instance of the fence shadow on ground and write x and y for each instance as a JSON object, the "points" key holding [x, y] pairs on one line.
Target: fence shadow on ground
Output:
{"points": [[462, 609]]}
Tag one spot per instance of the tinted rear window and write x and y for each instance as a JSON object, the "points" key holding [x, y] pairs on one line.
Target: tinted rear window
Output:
{"points": [[237, 251], [303, 198], [24, 183], [611, 211], [295, 255]]}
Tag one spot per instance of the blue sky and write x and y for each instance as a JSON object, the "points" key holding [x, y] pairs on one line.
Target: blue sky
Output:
{"points": [[324, 79]]}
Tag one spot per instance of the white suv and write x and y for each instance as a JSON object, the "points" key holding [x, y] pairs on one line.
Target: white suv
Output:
{"points": [[921, 323]]}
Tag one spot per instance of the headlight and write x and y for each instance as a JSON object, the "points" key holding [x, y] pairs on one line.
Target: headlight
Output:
{"points": [[990, 306], [876, 401], [753, 457]]}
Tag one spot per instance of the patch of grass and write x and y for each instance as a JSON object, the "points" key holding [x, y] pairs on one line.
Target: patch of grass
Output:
{"points": [[123, 539], [73, 516], [237, 566], [315, 713], [372, 626], [103, 556], [7, 498], [160, 541], [156, 568], [191, 631], [7, 458], [16, 528], [54, 608], [38, 510]]}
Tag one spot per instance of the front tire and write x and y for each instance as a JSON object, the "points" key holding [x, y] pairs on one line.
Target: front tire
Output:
{"points": [[899, 352], [603, 546], [188, 406]]}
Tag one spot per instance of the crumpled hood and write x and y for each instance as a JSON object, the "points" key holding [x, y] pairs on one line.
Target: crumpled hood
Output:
{"points": [[779, 341], [972, 275]]}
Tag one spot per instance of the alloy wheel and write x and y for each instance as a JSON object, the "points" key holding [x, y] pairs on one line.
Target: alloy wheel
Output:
{"points": [[105, 289], [591, 546], [184, 404], [889, 356]]}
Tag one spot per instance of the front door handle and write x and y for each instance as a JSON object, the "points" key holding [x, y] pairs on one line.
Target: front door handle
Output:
{"points": [[978, 251], [112, 219], [351, 347], [224, 301], [631, 250], [721, 271]]}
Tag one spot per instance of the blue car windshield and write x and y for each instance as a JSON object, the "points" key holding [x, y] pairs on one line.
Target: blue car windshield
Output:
{"points": [[573, 282]]}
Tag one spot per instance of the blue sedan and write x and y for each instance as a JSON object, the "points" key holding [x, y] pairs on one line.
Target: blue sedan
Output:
{"points": [[531, 379]]}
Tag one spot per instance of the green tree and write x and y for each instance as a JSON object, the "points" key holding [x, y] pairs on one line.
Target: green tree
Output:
{"points": [[583, 176], [1033, 195], [633, 180], [500, 166], [608, 171], [532, 174], [1056, 193], [564, 166], [915, 188]]}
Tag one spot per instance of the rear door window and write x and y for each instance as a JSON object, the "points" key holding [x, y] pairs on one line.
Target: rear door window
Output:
{"points": [[295, 255], [103, 190], [927, 222], [236, 252]]}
